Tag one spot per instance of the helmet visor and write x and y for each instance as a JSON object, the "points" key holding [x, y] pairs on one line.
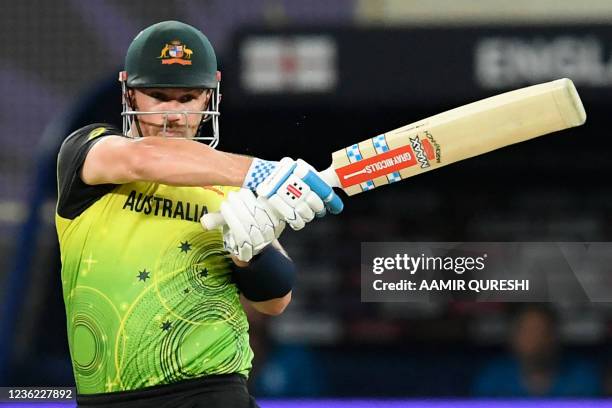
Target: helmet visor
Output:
{"points": [[190, 124]]}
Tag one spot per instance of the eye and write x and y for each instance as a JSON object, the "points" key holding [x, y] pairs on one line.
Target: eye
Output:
{"points": [[186, 98], [159, 96]]}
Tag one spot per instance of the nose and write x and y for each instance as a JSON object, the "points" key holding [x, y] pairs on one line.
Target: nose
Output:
{"points": [[174, 109]]}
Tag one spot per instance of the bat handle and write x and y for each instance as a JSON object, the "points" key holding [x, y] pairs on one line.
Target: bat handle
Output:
{"points": [[330, 177]]}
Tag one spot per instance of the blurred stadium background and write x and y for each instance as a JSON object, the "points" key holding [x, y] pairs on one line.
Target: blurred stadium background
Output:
{"points": [[304, 78]]}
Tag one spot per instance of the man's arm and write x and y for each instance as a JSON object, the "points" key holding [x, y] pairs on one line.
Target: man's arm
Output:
{"points": [[114, 159], [179, 162], [274, 306]]}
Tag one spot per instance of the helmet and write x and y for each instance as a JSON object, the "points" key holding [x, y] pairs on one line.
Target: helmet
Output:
{"points": [[171, 54]]}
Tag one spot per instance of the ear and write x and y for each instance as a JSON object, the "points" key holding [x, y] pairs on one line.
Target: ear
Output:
{"points": [[131, 96], [209, 94]]}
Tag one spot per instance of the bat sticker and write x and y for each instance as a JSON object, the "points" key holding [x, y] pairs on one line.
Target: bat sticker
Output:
{"points": [[376, 166]]}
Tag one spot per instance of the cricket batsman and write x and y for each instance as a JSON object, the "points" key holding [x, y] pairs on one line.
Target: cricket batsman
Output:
{"points": [[152, 298]]}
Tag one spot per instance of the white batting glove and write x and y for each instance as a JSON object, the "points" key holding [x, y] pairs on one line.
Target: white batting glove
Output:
{"points": [[297, 193], [251, 224]]}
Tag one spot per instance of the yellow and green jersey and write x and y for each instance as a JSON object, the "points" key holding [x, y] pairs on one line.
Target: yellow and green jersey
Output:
{"points": [[148, 293]]}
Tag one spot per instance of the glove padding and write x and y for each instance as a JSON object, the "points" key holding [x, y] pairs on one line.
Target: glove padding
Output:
{"points": [[251, 224], [298, 194]]}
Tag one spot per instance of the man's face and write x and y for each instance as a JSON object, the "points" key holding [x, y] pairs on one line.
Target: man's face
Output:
{"points": [[172, 100]]}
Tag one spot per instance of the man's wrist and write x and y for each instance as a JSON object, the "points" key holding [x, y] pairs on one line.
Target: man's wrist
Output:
{"points": [[238, 262], [258, 172], [269, 275]]}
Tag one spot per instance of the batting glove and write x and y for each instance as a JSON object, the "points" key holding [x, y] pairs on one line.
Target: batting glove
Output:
{"points": [[298, 194], [251, 224]]}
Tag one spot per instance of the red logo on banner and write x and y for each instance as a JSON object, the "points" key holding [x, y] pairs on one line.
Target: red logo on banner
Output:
{"points": [[429, 150], [376, 166]]}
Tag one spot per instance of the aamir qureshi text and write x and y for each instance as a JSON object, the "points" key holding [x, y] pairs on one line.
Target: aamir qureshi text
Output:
{"points": [[474, 285]]}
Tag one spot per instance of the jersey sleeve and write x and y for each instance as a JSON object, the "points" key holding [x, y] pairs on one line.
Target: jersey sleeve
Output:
{"points": [[74, 196]]}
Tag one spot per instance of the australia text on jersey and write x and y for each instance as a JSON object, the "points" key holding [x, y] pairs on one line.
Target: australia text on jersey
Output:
{"points": [[164, 207]]}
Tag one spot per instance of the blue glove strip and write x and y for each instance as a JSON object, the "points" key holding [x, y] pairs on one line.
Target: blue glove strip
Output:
{"points": [[322, 189], [281, 181], [334, 203]]}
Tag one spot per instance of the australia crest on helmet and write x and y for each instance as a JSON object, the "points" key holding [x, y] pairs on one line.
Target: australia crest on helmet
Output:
{"points": [[175, 52]]}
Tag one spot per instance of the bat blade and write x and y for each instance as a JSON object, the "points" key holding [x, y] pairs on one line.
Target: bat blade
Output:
{"points": [[455, 135]]}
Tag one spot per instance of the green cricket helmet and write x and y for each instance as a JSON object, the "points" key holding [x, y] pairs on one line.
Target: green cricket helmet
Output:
{"points": [[172, 54]]}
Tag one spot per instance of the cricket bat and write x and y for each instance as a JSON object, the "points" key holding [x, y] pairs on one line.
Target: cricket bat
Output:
{"points": [[455, 135]]}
